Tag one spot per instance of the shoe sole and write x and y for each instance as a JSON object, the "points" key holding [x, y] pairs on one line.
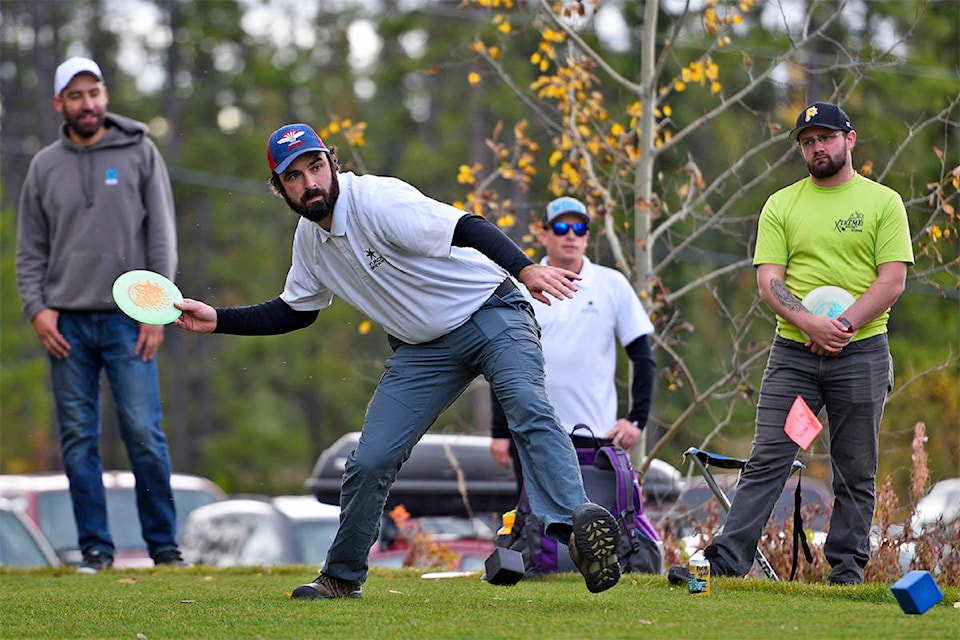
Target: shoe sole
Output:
{"points": [[311, 591], [597, 534]]}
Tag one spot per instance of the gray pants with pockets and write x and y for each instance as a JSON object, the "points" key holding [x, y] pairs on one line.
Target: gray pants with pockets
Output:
{"points": [[853, 387], [501, 342]]}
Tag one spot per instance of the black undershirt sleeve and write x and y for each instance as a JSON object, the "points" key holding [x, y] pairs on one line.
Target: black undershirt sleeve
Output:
{"points": [[498, 419], [644, 374], [484, 236], [265, 319]]}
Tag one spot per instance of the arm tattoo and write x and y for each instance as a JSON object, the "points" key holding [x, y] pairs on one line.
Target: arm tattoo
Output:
{"points": [[784, 297]]}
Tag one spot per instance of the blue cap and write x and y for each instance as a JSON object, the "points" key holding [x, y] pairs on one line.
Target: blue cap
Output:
{"points": [[566, 204], [289, 142]]}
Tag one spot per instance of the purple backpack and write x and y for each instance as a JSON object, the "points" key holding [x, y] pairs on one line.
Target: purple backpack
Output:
{"points": [[611, 481]]}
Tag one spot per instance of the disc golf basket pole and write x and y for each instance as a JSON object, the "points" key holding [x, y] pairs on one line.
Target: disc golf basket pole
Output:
{"points": [[703, 460]]}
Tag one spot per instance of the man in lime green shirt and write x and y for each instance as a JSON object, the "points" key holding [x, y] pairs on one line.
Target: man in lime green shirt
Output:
{"points": [[838, 228]]}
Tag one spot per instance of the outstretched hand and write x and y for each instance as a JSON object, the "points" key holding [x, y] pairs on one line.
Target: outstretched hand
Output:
{"points": [[541, 279], [197, 316]]}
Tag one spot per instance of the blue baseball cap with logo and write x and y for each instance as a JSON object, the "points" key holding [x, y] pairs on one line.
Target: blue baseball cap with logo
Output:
{"points": [[289, 142], [822, 114], [563, 205]]}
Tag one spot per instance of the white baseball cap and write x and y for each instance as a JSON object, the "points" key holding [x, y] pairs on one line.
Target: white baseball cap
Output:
{"points": [[69, 69], [563, 205]]}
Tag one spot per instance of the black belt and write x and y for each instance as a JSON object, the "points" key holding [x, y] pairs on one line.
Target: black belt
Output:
{"points": [[505, 287]]}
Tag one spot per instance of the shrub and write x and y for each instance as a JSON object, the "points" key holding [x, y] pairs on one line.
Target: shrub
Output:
{"points": [[935, 549]]}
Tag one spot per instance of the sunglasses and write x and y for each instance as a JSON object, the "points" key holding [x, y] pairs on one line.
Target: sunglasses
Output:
{"points": [[561, 228]]}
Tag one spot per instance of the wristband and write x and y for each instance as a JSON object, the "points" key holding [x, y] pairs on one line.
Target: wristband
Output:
{"points": [[846, 325]]}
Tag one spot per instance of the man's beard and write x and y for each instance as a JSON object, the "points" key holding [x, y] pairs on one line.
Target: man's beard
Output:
{"points": [[828, 170], [321, 209], [84, 130]]}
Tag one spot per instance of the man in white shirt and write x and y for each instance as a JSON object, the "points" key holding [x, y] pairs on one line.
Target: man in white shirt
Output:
{"points": [[579, 342], [437, 280]]}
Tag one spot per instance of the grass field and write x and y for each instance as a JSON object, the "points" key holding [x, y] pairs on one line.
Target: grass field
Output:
{"points": [[202, 602]]}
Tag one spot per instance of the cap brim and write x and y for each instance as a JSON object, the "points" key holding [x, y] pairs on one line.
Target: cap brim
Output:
{"points": [[289, 159], [798, 130], [579, 214]]}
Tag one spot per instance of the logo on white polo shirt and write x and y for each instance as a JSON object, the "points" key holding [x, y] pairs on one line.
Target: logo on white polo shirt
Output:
{"points": [[374, 259]]}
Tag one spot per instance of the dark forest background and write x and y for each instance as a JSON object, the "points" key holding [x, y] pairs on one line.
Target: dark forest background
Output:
{"points": [[389, 82]]}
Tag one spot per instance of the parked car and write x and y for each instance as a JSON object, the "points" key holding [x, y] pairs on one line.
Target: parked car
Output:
{"points": [[459, 555], [282, 530], [21, 542], [450, 543], [429, 482], [45, 498], [937, 515], [294, 530], [940, 506]]}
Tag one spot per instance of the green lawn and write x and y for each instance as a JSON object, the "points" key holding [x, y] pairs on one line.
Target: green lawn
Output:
{"points": [[202, 602]]}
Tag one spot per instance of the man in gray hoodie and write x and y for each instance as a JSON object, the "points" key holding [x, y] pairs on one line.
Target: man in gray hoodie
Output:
{"points": [[95, 204]]}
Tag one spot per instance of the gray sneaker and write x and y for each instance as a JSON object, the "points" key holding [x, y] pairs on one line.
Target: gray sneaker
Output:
{"points": [[593, 546], [95, 561], [327, 587]]}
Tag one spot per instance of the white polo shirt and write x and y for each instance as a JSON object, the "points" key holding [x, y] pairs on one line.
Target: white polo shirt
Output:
{"points": [[579, 345], [388, 254]]}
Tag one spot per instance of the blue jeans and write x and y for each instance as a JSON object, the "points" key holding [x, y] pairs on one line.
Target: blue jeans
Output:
{"points": [[501, 342], [104, 340], [853, 387]]}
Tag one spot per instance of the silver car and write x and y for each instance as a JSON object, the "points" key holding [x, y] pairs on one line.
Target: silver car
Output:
{"points": [[45, 499], [260, 531], [21, 542]]}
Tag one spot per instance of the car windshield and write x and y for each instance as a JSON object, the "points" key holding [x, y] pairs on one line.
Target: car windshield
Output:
{"points": [[17, 546], [314, 537], [55, 516]]}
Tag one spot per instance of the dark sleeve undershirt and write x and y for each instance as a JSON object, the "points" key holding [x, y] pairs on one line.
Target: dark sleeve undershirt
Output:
{"points": [[644, 373], [498, 419], [265, 319], [484, 236]]}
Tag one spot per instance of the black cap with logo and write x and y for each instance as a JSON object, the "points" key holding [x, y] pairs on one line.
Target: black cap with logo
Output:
{"points": [[822, 114]]}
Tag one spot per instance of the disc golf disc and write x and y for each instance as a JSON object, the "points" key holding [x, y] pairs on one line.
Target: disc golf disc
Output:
{"points": [[828, 301], [147, 297]]}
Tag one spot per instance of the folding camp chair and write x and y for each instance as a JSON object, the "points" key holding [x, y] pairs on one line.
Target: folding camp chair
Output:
{"points": [[704, 459]]}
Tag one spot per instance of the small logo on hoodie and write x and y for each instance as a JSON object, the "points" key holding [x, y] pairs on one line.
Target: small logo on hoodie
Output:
{"points": [[111, 176]]}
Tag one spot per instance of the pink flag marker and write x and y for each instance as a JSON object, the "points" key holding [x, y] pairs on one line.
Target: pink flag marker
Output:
{"points": [[802, 425]]}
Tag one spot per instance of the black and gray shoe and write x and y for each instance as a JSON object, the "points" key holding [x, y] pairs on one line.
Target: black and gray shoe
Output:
{"points": [[95, 561], [326, 588], [593, 546], [679, 575], [171, 558]]}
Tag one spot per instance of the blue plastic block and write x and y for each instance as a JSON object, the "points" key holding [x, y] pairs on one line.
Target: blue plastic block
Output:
{"points": [[916, 592]]}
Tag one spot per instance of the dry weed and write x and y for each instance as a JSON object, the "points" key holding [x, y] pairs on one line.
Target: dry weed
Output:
{"points": [[935, 549]]}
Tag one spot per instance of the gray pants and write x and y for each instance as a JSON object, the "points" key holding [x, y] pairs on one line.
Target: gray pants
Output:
{"points": [[500, 342], [853, 387]]}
